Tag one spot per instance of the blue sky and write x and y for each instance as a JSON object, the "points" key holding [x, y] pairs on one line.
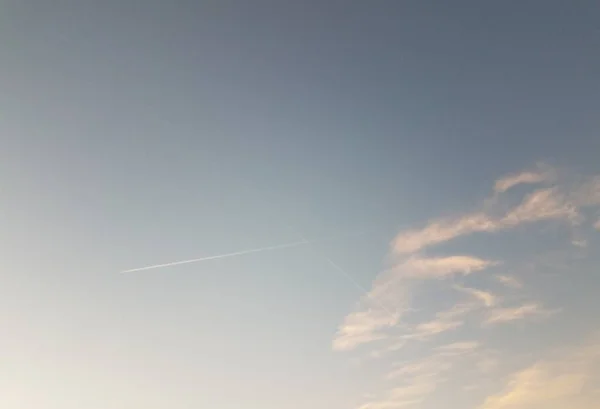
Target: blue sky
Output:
{"points": [[440, 159]]}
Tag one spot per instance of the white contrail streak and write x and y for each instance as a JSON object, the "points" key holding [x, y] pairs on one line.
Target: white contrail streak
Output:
{"points": [[353, 281], [303, 242], [341, 271], [237, 253]]}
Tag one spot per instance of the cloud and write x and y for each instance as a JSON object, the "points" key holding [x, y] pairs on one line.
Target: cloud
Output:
{"points": [[362, 327], [435, 327], [509, 281], [542, 174], [416, 380], [503, 315], [459, 347], [597, 225], [488, 299], [558, 202], [535, 385], [440, 267], [543, 204], [416, 269], [444, 321], [405, 396], [548, 382], [442, 230], [370, 322], [433, 364], [558, 198]]}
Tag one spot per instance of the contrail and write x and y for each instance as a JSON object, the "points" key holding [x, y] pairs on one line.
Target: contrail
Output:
{"points": [[237, 253], [330, 261], [303, 242], [341, 270]]}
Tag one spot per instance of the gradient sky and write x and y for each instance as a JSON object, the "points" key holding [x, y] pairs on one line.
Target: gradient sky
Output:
{"points": [[443, 155]]}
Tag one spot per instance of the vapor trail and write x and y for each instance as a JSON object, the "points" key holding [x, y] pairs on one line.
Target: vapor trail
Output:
{"points": [[237, 253], [341, 270], [303, 242]]}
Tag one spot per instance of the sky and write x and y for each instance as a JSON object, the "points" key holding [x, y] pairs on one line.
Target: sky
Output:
{"points": [[383, 204]]}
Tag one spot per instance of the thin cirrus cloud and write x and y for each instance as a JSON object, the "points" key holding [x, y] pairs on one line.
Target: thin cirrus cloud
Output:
{"points": [[407, 396], [542, 173], [543, 204], [435, 363], [441, 231], [363, 327], [459, 347], [529, 310], [552, 197], [415, 380], [447, 320], [444, 321], [487, 298], [509, 281], [392, 288], [557, 202], [440, 267], [369, 322], [554, 382], [536, 385]]}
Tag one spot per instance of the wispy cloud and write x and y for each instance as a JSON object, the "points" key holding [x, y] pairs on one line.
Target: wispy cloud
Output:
{"points": [[536, 385], [408, 396], [434, 327], [392, 288], [539, 205], [444, 321], [435, 363], [415, 381], [459, 347], [509, 281], [529, 310], [543, 173], [563, 199], [597, 225], [557, 202], [543, 204], [487, 298], [442, 230], [362, 327], [549, 382], [440, 267], [369, 322]]}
